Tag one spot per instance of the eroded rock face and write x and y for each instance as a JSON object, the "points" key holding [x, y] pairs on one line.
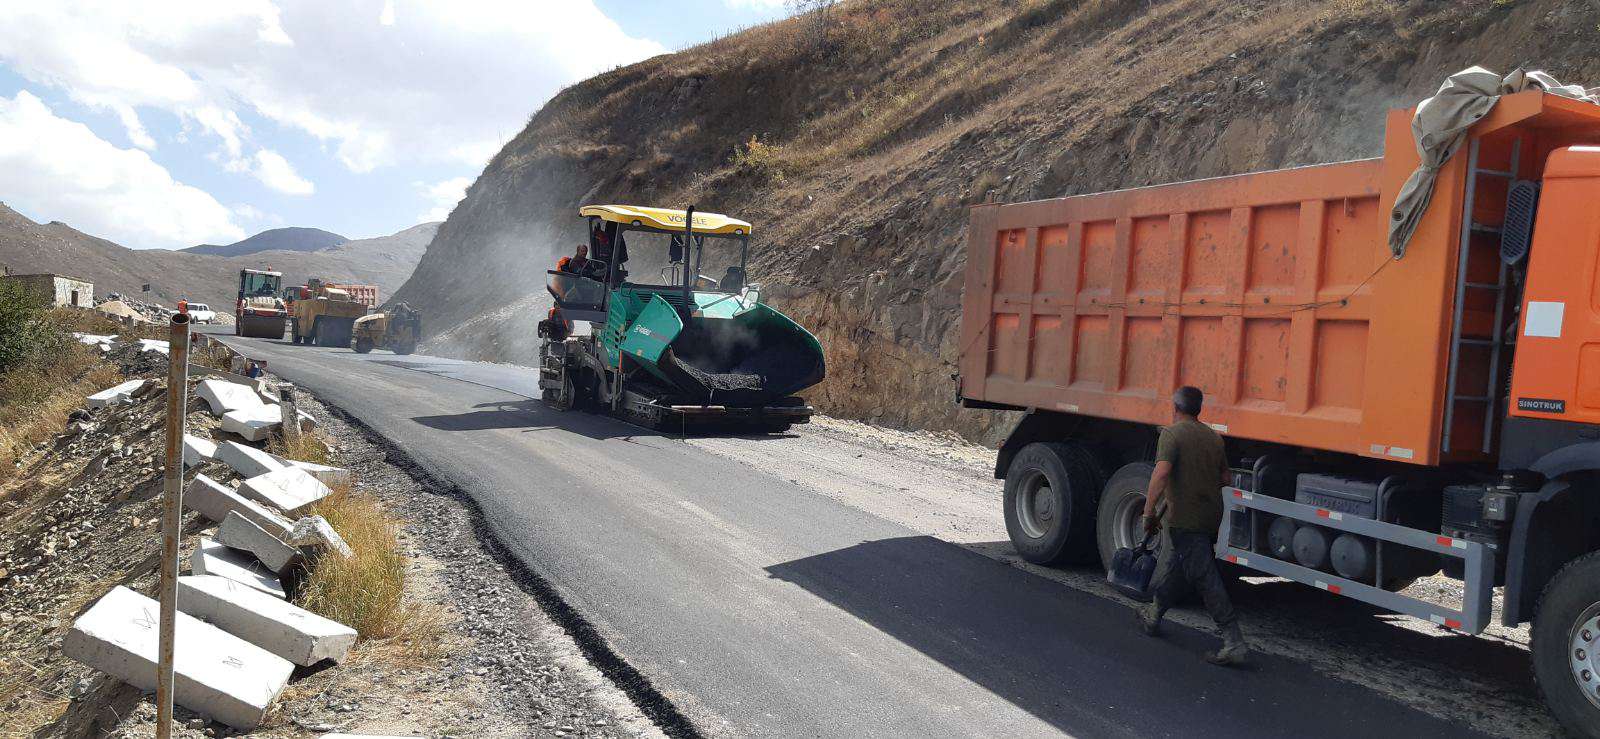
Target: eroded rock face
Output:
{"points": [[874, 138]]}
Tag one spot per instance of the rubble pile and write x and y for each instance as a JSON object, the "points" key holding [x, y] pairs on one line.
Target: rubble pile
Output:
{"points": [[92, 531]]}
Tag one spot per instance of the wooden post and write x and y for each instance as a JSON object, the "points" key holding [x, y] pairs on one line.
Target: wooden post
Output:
{"points": [[172, 515]]}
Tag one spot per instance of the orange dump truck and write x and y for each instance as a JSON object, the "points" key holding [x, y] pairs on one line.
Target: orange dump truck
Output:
{"points": [[1387, 418], [364, 294]]}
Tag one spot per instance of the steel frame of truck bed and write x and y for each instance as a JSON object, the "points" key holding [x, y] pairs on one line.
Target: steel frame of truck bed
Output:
{"points": [[1479, 560]]}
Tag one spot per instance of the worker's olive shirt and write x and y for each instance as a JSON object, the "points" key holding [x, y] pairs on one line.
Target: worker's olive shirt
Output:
{"points": [[1194, 489]]}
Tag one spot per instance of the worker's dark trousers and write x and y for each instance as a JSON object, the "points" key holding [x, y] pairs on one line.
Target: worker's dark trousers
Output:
{"points": [[1187, 561]]}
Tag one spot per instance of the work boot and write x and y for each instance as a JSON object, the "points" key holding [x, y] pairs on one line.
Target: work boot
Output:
{"points": [[1233, 651], [1150, 619]]}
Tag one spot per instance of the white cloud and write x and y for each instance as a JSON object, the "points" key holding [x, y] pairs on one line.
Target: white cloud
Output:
{"points": [[277, 173], [58, 169], [444, 195], [430, 82]]}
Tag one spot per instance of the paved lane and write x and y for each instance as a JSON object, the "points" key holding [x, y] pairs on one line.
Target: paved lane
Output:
{"points": [[762, 608]]}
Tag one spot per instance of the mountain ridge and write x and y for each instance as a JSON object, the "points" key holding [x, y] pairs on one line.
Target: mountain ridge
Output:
{"points": [[288, 238]]}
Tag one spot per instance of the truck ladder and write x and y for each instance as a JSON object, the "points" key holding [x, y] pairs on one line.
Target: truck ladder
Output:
{"points": [[1490, 398]]}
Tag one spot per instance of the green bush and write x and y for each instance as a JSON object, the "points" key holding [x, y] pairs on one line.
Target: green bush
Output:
{"points": [[26, 331]]}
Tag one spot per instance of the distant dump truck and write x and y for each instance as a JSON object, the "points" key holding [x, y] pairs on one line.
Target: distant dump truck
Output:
{"points": [[258, 312], [398, 329], [324, 315], [364, 294], [1386, 417]]}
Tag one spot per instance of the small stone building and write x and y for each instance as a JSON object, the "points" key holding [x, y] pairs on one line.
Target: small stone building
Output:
{"points": [[61, 290]]}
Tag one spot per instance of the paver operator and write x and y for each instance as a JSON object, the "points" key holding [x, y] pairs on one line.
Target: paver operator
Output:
{"points": [[1191, 468]]}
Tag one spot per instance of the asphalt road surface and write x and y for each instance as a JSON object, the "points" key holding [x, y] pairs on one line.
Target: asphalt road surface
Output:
{"points": [[760, 606]]}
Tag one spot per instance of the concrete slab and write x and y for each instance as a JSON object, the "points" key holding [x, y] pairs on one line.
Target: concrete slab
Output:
{"points": [[155, 345], [224, 396], [248, 461], [197, 450], [115, 395], [254, 424], [217, 674], [289, 490], [238, 532], [212, 558], [314, 532], [329, 476], [215, 501], [367, 736], [266, 389], [103, 343], [282, 628]]}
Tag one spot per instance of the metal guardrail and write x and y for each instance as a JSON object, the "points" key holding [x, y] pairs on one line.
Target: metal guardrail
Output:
{"points": [[1478, 558]]}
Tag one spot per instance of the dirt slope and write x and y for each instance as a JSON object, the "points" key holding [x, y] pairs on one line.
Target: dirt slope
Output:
{"points": [[856, 145], [28, 247]]}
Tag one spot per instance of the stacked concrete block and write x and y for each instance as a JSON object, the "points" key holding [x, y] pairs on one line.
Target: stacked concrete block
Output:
{"points": [[197, 450], [266, 390], [289, 490], [116, 395], [217, 674], [255, 423], [155, 345], [286, 630], [315, 533], [238, 532], [224, 396], [215, 501], [329, 476], [212, 558], [248, 461]]}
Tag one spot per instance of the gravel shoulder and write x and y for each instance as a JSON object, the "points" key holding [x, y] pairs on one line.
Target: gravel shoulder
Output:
{"points": [[943, 486]]}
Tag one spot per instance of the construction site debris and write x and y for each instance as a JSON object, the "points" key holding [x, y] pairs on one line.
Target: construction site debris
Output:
{"points": [[254, 424], [218, 674], [279, 627], [289, 489], [213, 558], [115, 395], [239, 532], [224, 396], [215, 501], [248, 461], [316, 533], [197, 450]]}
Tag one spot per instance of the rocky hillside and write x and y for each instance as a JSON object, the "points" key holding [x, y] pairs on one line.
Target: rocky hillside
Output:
{"points": [[293, 238], [26, 246], [856, 141]]}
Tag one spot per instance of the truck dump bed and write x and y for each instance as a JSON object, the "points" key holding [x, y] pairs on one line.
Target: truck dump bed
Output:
{"points": [[1274, 292]]}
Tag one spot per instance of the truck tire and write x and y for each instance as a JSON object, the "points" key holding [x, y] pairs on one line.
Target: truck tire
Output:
{"points": [[1566, 645], [363, 345], [1119, 522], [1050, 503]]}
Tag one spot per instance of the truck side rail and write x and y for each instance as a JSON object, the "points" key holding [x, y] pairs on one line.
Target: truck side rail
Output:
{"points": [[1479, 560]]}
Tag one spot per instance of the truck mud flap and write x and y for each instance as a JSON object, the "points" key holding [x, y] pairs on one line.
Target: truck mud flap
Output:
{"points": [[1478, 559]]}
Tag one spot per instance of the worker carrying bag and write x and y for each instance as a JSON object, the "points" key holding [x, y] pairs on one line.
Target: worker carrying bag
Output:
{"points": [[1132, 568]]}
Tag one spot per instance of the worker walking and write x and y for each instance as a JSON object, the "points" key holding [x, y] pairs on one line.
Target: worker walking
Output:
{"points": [[1191, 469]]}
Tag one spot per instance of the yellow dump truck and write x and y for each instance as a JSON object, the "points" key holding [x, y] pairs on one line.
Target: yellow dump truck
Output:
{"points": [[324, 315], [397, 329]]}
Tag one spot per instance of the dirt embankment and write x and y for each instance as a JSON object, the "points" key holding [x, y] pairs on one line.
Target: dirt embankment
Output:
{"points": [[856, 142]]}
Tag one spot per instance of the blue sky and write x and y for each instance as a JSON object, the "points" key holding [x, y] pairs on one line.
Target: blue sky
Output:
{"points": [[167, 123]]}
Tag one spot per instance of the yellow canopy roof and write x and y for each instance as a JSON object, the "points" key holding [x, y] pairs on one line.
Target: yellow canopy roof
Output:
{"points": [[665, 219]]}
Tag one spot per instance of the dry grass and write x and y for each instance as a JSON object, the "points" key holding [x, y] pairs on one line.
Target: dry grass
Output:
{"points": [[304, 447], [36, 397], [367, 591]]}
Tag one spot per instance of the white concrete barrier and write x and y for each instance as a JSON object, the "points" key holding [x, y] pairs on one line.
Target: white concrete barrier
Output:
{"points": [[315, 532], [238, 532], [115, 395], [289, 490], [282, 628], [197, 450], [215, 501], [217, 674], [224, 396], [248, 461], [155, 345], [212, 558], [254, 424]]}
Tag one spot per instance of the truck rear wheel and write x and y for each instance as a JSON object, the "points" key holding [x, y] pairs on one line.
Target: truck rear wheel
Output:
{"points": [[1050, 503], [363, 345], [1566, 645], [1120, 520]]}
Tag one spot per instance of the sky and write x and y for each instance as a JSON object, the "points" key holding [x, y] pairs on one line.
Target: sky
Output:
{"points": [[170, 123]]}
